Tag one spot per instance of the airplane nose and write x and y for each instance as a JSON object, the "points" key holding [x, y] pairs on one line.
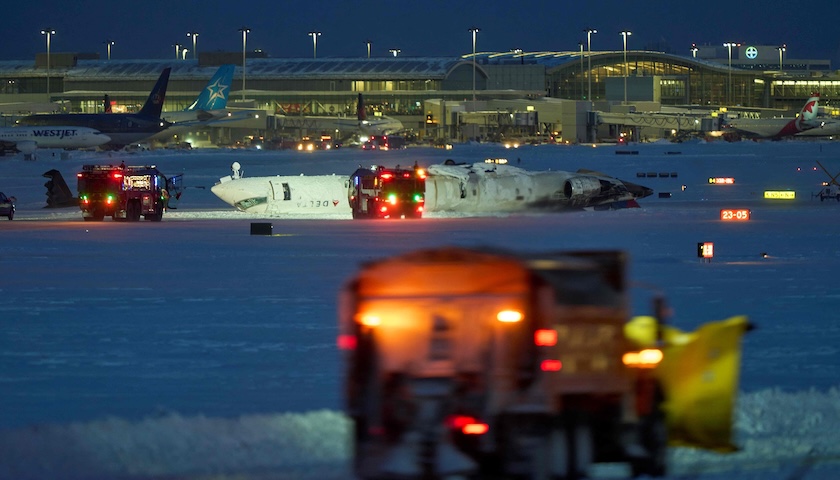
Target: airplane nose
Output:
{"points": [[222, 191]]}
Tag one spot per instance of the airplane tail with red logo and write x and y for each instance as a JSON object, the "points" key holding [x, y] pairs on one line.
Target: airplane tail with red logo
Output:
{"points": [[360, 109], [805, 120]]}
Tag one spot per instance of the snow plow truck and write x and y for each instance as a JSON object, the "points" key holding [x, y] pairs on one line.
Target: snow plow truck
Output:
{"points": [[465, 363]]}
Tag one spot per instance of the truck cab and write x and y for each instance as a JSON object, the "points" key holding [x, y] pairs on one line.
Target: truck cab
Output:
{"points": [[380, 192]]}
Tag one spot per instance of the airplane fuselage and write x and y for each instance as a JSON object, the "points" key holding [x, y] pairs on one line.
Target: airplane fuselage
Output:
{"points": [[123, 129], [59, 136], [477, 188]]}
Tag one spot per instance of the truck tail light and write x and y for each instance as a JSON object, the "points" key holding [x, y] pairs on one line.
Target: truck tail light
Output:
{"points": [[647, 358], [346, 342], [509, 316], [467, 425], [545, 337], [551, 365]]}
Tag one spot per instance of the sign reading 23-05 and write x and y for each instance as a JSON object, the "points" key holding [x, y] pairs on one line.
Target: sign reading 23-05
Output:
{"points": [[735, 214]]}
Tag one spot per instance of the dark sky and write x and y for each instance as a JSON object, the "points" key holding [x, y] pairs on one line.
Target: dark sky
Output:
{"points": [[148, 29]]}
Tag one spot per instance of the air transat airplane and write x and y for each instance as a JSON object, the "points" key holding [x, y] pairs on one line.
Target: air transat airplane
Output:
{"points": [[211, 103], [28, 139], [461, 189], [122, 128], [776, 128]]}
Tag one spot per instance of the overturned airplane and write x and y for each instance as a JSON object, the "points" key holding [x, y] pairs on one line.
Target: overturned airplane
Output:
{"points": [[478, 188]]}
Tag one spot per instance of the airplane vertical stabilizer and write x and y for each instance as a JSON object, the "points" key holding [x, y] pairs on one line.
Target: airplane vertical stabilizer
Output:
{"points": [[154, 104], [215, 94], [360, 109]]}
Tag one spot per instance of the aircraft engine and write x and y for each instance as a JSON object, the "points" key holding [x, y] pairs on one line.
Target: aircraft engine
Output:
{"points": [[578, 191]]}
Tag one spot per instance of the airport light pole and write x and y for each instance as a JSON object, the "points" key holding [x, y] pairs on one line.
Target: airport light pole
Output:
{"points": [[184, 52], [245, 31], [781, 48], [108, 47], [177, 50], [367, 42], [474, 31], [194, 36], [49, 32], [395, 51], [314, 36], [694, 50], [729, 46], [625, 34], [580, 44], [589, 32]]}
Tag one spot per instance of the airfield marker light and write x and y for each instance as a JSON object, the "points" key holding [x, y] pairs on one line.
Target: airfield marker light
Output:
{"points": [[551, 365], [509, 316], [706, 250], [545, 337]]}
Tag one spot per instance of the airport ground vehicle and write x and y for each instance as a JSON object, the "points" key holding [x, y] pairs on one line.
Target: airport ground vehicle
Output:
{"points": [[384, 142], [487, 363], [831, 192], [477, 363], [124, 192], [7, 206], [379, 192]]}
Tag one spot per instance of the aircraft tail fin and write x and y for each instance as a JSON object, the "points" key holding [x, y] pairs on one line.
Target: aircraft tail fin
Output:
{"points": [[360, 109], [214, 96], [809, 110], [154, 104], [58, 193]]}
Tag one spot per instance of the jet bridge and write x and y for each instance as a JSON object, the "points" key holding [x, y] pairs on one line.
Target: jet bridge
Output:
{"points": [[658, 121]]}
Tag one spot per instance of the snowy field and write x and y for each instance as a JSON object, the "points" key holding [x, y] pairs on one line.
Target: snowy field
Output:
{"points": [[190, 349]]}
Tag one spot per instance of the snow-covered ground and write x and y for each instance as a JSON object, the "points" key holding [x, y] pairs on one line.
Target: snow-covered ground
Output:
{"points": [[191, 349]]}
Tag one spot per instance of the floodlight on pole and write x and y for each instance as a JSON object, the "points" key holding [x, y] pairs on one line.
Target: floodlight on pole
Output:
{"points": [[49, 32], [108, 45], [729, 46], [177, 50], [694, 50], [367, 42], [589, 32], [625, 34], [395, 51], [474, 31], [782, 49], [194, 35], [314, 36], [245, 31]]}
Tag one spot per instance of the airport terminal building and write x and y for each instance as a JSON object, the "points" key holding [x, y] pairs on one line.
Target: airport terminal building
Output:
{"points": [[500, 94]]}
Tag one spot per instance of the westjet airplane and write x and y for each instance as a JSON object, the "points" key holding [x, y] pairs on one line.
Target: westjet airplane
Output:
{"points": [[122, 128], [27, 139]]}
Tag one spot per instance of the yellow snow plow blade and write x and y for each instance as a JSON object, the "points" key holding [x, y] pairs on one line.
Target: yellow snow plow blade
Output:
{"points": [[699, 376]]}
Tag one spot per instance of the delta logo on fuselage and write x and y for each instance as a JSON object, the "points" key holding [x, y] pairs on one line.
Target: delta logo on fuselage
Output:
{"points": [[56, 132]]}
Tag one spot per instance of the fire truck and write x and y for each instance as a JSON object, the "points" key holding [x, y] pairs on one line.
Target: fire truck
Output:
{"points": [[489, 364], [125, 192], [380, 192]]}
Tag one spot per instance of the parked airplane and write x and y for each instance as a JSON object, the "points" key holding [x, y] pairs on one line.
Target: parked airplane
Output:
{"points": [[776, 128], [122, 128], [210, 104], [346, 126], [468, 188], [27, 139]]}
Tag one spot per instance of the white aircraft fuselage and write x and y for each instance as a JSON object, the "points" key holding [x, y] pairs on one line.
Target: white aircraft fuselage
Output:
{"points": [[27, 139]]}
